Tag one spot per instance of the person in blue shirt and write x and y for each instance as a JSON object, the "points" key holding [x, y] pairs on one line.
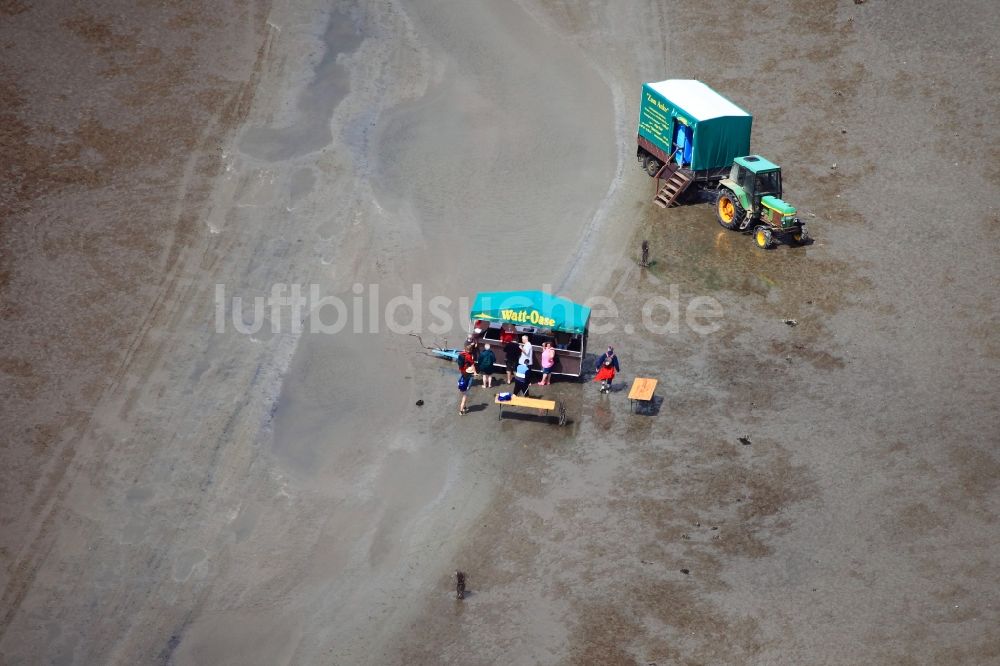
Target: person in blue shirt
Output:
{"points": [[521, 380]]}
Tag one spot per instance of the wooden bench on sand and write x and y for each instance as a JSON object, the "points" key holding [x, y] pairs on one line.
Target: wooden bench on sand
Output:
{"points": [[642, 391], [542, 406]]}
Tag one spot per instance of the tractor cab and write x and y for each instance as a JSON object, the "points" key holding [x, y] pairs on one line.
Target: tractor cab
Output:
{"points": [[757, 176]]}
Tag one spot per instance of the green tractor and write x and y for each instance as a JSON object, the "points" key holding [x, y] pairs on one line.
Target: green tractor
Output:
{"points": [[750, 198]]}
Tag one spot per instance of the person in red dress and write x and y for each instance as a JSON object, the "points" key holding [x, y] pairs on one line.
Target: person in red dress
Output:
{"points": [[607, 367]]}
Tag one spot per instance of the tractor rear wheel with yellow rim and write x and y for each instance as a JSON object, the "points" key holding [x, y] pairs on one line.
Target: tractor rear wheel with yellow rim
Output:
{"points": [[728, 209]]}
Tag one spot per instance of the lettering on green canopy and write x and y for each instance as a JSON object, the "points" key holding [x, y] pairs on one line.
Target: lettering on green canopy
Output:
{"points": [[525, 316]]}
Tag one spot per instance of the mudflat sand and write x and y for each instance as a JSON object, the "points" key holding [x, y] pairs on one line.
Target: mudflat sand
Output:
{"points": [[174, 490]]}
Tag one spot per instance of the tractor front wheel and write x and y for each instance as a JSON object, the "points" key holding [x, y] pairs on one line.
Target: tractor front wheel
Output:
{"points": [[653, 166], [762, 237], [800, 236], [728, 209]]}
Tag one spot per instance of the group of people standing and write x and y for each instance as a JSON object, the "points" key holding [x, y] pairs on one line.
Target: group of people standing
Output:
{"points": [[477, 359]]}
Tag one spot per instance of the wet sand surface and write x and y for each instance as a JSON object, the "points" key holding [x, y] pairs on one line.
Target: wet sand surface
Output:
{"points": [[175, 494]]}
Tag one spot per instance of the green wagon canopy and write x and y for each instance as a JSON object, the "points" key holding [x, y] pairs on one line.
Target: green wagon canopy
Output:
{"points": [[720, 129], [535, 308]]}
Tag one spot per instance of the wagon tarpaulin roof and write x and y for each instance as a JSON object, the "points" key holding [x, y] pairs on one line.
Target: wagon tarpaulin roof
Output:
{"points": [[721, 130], [537, 308]]}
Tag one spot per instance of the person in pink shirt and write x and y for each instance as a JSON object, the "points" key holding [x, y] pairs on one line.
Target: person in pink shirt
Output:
{"points": [[548, 362]]}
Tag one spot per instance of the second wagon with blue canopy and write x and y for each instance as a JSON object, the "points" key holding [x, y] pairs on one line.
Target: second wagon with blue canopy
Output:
{"points": [[501, 315]]}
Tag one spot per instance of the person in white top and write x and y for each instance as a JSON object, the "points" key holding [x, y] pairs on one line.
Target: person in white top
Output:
{"points": [[527, 351]]}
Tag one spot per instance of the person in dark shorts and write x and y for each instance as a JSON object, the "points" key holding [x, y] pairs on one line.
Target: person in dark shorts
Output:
{"points": [[484, 363], [464, 382], [511, 352]]}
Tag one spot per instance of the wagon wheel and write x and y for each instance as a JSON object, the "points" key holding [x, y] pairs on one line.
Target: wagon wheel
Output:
{"points": [[762, 237], [653, 166], [728, 209]]}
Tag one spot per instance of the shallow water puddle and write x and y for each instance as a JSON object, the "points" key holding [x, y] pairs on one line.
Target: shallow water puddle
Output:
{"points": [[329, 85]]}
